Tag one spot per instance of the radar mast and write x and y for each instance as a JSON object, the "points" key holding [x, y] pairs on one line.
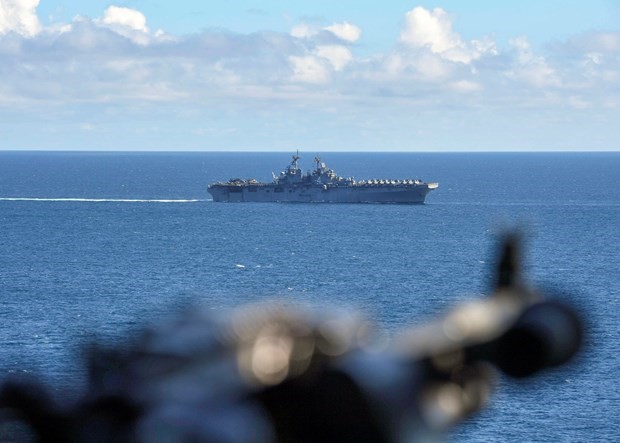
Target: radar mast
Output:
{"points": [[296, 157]]}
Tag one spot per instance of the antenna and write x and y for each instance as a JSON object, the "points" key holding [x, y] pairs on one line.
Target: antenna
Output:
{"points": [[295, 158]]}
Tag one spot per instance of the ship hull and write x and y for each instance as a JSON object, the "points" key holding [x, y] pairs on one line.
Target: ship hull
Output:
{"points": [[403, 194]]}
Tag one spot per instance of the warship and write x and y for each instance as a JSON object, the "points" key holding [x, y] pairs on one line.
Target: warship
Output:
{"points": [[320, 185]]}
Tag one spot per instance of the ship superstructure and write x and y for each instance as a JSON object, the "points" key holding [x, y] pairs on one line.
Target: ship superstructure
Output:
{"points": [[321, 184]]}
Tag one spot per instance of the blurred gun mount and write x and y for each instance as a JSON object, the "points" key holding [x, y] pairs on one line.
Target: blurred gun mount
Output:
{"points": [[273, 374]]}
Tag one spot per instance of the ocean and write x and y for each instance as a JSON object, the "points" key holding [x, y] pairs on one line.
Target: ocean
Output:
{"points": [[93, 246]]}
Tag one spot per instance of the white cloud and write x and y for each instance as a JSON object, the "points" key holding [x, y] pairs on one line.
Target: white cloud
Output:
{"points": [[131, 18], [530, 68], [116, 59], [115, 66], [303, 31], [321, 51], [19, 16], [424, 28], [405, 64], [338, 56], [345, 31], [433, 30], [523, 49], [162, 36], [594, 57], [129, 23], [309, 69]]}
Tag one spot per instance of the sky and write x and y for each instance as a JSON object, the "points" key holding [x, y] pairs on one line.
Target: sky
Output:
{"points": [[452, 75]]}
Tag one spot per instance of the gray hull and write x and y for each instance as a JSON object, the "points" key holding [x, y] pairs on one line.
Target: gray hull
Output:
{"points": [[321, 185], [411, 194]]}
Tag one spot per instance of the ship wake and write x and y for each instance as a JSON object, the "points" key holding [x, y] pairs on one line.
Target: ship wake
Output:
{"points": [[99, 200]]}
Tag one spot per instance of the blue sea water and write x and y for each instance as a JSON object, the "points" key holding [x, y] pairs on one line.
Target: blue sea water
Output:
{"points": [[95, 245]]}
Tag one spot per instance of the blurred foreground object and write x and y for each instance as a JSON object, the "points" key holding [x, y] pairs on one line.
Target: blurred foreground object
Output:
{"points": [[273, 374]]}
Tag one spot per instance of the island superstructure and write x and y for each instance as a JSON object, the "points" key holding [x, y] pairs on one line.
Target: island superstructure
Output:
{"points": [[320, 185]]}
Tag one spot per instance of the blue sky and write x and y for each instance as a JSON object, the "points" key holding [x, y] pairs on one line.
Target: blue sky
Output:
{"points": [[318, 75]]}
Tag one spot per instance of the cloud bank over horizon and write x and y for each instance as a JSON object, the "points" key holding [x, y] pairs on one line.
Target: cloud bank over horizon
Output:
{"points": [[432, 89]]}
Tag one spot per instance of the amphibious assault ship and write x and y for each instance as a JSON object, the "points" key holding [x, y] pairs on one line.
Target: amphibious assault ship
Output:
{"points": [[320, 185]]}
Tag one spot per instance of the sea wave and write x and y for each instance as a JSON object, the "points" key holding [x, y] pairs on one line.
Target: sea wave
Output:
{"points": [[99, 200]]}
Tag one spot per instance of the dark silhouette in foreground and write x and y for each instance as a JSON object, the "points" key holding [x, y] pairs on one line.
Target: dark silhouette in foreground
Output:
{"points": [[275, 374]]}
